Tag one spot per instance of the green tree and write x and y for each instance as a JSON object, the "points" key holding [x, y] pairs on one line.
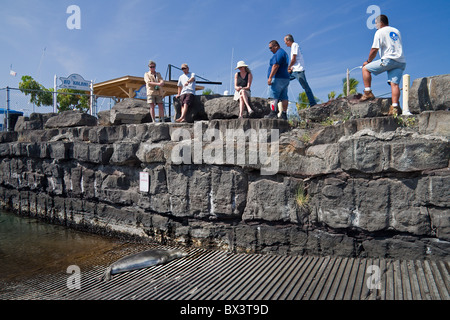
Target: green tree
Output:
{"points": [[207, 92], [72, 100], [39, 95], [68, 99], [303, 101], [332, 95], [353, 86]]}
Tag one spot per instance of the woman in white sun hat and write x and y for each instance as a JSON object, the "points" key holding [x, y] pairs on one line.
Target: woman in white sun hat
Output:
{"points": [[242, 83]]}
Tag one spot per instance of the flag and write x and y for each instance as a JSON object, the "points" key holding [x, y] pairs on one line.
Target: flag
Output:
{"points": [[11, 72]]}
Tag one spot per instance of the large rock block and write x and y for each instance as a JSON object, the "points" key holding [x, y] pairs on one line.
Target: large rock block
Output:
{"points": [[373, 205], [344, 108], [272, 200], [370, 152], [201, 193], [430, 94], [332, 133], [35, 121], [129, 111], [124, 154], [212, 107], [228, 108], [104, 118], [8, 136], [435, 122], [196, 111], [71, 119], [91, 152]]}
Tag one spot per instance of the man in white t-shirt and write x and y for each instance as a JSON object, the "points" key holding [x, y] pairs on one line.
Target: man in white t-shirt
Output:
{"points": [[297, 68], [186, 91], [388, 42]]}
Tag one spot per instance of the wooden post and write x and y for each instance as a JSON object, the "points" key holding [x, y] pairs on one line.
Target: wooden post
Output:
{"points": [[406, 81]]}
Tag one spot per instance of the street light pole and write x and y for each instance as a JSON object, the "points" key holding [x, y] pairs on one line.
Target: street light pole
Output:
{"points": [[348, 79], [7, 109], [348, 84]]}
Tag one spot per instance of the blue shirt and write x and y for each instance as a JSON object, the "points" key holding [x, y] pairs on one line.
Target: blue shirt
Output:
{"points": [[280, 58]]}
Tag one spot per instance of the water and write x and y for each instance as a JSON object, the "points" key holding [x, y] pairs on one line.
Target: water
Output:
{"points": [[31, 248]]}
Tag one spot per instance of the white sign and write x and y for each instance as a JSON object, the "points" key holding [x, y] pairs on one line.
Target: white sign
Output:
{"points": [[75, 82], [144, 182], [141, 93]]}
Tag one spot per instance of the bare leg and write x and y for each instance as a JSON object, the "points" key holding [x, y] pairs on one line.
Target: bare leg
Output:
{"points": [[241, 106], [184, 109], [245, 98], [161, 112], [367, 77], [395, 92], [152, 111]]}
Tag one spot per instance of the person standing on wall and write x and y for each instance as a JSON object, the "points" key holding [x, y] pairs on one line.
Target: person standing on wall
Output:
{"points": [[155, 94], [278, 80], [186, 91], [297, 68], [388, 41]]}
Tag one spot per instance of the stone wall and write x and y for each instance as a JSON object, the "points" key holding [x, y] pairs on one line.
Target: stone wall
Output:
{"points": [[361, 187]]}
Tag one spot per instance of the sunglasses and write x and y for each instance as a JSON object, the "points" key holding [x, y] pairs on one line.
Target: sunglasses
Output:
{"points": [[183, 68], [152, 67]]}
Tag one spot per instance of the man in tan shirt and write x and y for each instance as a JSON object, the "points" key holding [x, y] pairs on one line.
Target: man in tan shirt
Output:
{"points": [[155, 93]]}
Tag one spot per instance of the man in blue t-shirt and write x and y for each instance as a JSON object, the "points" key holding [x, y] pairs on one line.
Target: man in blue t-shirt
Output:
{"points": [[278, 80]]}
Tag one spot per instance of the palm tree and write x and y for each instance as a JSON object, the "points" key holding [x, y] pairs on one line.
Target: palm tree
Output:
{"points": [[353, 86], [303, 102], [332, 95]]}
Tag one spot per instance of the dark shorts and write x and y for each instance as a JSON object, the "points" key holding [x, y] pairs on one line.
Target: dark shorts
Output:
{"points": [[187, 98]]}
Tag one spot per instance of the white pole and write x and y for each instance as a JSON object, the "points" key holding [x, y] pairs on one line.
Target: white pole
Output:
{"points": [[54, 96], [231, 71], [406, 82], [348, 82], [92, 97], [7, 109]]}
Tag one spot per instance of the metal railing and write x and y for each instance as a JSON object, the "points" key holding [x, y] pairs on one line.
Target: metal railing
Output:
{"points": [[14, 101]]}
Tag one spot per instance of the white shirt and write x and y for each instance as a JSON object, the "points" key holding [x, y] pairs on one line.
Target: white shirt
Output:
{"points": [[190, 88], [389, 42], [299, 63]]}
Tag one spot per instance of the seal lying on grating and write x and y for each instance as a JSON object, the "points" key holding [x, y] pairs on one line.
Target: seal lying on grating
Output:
{"points": [[142, 260]]}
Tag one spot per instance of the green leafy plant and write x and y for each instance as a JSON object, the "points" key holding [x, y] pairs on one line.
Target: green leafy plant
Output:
{"points": [[327, 122], [408, 123], [302, 197], [39, 95], [207, 92], [67, 99]]}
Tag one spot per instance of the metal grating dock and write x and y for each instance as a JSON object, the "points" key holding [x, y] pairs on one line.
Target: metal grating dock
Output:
{"points": [[217, 275]]}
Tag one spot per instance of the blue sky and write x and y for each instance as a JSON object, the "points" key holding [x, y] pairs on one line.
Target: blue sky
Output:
{"points": [[119, 37]]}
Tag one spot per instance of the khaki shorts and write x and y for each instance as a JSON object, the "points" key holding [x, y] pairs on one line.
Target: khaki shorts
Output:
{"points": [[154, 99]]}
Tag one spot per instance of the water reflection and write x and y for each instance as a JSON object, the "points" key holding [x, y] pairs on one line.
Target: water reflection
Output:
{"points": [[30, 248]]}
